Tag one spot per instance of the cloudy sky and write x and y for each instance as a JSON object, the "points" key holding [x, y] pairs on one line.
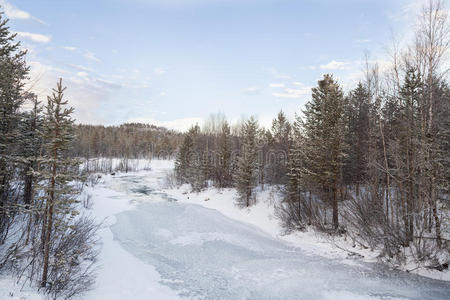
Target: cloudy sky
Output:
{"points": [[173, 62]]}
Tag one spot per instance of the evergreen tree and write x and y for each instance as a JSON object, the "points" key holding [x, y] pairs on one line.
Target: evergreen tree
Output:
{"points": [[263, 138], [30, 146], [246, 177], [57, 171], [224, 160], [279, 148], [187, 163], [356, 137], [13, 72], [408, 138], [323, 129], [295, 208]]}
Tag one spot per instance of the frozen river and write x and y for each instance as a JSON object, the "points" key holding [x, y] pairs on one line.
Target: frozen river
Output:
{"points": [[201, 254]]}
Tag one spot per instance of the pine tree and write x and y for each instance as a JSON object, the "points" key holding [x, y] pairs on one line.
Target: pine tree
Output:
{"points": [[187, 162], [246, 177], [224, 160], [280, 144], [295, 208], [357, 132], [57, 170], [13, 72], [408, 138], [30, 145], [323, 129]]}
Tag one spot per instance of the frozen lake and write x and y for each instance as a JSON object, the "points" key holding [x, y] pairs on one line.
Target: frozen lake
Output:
{"points": [[201, 254]]}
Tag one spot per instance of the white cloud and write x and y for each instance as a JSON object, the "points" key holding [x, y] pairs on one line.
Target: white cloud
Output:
{"points": [[91, 56], [252, 91], [35, 37], [13, 12], [86, 95], [108, 84], [80, 67], [335, 65], [277, 85], [293, 93], [82, 74], [69, 48]]}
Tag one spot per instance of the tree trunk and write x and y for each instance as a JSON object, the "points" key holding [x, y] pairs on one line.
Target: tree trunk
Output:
{"points": [[28, 188], [49, 223], [335, 208], [435, 215]]}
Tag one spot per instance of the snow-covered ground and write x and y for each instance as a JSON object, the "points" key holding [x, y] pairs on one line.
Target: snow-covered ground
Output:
{"points": [[203, 246], [12, 290], [161, 243], [263, 216], [121, 274]]}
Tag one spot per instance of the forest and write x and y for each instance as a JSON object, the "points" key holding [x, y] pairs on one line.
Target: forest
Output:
{"points": [[371, 163], [44, 239]]}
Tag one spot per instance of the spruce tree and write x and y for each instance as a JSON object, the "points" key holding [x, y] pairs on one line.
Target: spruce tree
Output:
{"points": [[323, 128], [408, 138], [30, 145], [295, 208], [13, 72], [57, 171], [246, 177], [224, 160], [357, 134], [187, 164], [280, 144]]}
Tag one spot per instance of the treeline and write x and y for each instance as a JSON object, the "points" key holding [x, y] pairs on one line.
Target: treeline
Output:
{"points": [[373, 163], [214, 155], [132, 140], [43, 238]]}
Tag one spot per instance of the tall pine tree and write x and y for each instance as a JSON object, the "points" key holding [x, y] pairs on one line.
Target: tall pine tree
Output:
{"points": [[224, 160], [280, 145], [357, 133], [323, 128], [57, 171], [13, 72], [246, 177]]}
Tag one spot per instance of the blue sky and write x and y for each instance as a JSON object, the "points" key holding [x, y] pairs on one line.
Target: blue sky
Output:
{"points": [[173, 62]]}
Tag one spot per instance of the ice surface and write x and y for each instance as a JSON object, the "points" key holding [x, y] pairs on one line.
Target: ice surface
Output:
{"points": [[202, 254], [157, 246]]}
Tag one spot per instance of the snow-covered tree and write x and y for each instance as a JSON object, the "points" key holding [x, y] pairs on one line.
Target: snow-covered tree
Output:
{"points": [[224, 177], [188, 161], [246, 175], [30, 146], [323, 129], [279, 149], [295, 209], [57, 170], [357, 133], [13, 72]]}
